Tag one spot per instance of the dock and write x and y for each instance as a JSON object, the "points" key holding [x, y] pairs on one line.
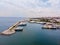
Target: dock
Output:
{"points": [[51, 26], [11, 30]]}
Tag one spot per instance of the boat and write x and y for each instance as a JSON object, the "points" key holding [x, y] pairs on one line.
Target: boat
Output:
{"points": [[19, 29], [32, 21], [41, 22], [22, 24]]}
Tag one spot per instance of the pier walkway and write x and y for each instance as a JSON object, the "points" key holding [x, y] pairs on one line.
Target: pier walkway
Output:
{"points": [[11, 30]]}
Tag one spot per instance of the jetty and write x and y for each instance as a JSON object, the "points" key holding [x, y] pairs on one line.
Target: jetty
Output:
{"points": [[11, 30]]}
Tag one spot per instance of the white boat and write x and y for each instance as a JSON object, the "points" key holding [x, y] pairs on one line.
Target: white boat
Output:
{"points": [[41, 22], [22, 24], [32, 21], [19, 29]]}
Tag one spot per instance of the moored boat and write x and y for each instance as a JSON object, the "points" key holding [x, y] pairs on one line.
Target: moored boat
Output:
{"points": [[32, 21], [22, 24], [19, 29], [41, 22]]}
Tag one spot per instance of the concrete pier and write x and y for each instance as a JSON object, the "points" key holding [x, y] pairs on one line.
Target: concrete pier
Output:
{"points": [[11, 30]]}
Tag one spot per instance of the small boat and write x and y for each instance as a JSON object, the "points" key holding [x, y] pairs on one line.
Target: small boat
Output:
{"points": [[32, 21], [19, 29], [50, 27], [22, 24], [41, 22]]}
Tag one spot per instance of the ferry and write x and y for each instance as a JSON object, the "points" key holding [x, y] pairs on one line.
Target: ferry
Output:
{"points": [[22, 24], [32, 21], [41, 22], [19, 29]]}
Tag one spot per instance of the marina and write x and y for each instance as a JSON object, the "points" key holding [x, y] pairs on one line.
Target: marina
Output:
{"points": [[17, 27], [32, 34], [29, 22]]}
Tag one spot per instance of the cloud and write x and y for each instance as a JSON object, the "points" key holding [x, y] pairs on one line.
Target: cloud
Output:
{"points": [[27, 8]]}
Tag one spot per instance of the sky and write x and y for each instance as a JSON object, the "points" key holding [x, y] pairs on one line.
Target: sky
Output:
{"points": [[29, 8]]}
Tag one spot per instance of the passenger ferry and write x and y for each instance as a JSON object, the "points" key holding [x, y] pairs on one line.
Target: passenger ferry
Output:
{"points": [[22, 24], [19, 29]]}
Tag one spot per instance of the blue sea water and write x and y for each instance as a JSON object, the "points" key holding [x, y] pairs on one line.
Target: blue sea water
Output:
{"points": [[32, 34]]}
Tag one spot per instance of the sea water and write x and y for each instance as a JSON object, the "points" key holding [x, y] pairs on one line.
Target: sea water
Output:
{"points": [[32, 34]]}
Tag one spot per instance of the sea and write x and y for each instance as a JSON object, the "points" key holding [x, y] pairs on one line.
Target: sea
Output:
{"points": [[32, 34]]}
